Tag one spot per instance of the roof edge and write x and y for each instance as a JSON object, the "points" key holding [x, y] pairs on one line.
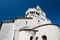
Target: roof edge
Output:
{"points": [[8, 21], [23, 17], [28, 30], [45, 25]]}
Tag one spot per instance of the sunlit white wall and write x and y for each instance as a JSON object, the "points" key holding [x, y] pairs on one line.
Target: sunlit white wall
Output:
{"points": [[7, 31], [50, 31]]}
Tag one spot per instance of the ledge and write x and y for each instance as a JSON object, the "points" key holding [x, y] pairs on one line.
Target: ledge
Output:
{"points": [[28, 30], [44, 25], [19, 17]]}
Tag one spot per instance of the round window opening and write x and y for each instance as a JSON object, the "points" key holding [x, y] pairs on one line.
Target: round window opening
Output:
{"points": [[44, 37], [31, 38]]}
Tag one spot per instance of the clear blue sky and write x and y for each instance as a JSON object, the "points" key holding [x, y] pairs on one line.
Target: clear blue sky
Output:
{"points": [[9, 9]]}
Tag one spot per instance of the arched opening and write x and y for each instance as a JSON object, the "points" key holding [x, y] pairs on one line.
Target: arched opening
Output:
{"points": [[37, 13], [31, 38], [44, 37], [36, 38]]}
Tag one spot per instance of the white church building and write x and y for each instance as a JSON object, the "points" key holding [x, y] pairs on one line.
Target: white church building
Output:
{"points": [[33, 26]]}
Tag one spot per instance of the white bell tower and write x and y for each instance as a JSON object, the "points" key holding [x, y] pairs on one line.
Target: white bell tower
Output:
{"points": [[35, 12]]}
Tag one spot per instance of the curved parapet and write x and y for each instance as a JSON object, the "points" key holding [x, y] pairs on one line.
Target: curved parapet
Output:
{"points": [[48, 32]]}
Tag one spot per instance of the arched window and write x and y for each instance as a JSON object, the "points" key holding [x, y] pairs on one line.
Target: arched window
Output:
{"points": [[37, 13], [44, 37], [31, 38], [36, 38]]}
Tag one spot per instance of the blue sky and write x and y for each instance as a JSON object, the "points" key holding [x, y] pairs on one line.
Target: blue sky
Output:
{"points": [[9, 9]]}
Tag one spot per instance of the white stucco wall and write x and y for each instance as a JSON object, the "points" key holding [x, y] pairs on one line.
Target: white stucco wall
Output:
{"points": [[21, 23], [7, 31], [51, 32], [16, 35], [25, 35]]}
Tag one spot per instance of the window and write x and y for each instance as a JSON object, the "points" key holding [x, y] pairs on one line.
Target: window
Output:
{"points": [[26, 22], [31, 38], [38, 21], [36, 38], [32, 12], [37, 13], [44, 37]]}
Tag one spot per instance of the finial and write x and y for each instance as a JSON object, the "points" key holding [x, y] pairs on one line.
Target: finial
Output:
{"points": [[38, 7]]}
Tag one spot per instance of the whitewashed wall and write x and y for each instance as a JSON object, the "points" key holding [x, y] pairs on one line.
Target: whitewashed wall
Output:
{"points": [[25, 35], [21, 23], [16, 35], [51, 32], [7, 31]]}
